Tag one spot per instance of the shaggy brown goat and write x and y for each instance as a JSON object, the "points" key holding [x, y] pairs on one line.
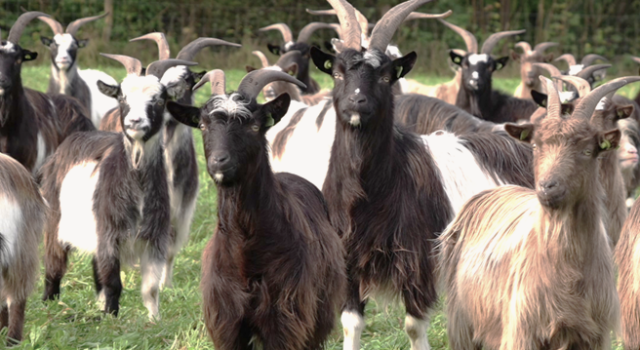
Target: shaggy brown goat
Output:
{"points": [[531, 269]]}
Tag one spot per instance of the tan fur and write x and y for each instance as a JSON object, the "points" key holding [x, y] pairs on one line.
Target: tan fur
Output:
{"points": [[628, 260]]}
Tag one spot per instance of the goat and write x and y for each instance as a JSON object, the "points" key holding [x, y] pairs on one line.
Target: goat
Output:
{"points": [[109, 195], [66, 78], [531, 269], [373, 163], [23, 216], [179, 153], [32, 124], [528, 72], [628, 156], [626, 258], [302, 45], [575, 68], [274, 269]]}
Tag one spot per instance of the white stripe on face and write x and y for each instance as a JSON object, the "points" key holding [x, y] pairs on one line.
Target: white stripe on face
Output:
{"points": [[139, 92], [65, 43], [475, 58]]}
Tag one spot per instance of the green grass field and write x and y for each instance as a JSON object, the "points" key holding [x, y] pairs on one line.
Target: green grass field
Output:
{"points": [[75, 321]]}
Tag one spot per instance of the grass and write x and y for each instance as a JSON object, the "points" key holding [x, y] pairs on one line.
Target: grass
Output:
{"points": [[75, 321]]}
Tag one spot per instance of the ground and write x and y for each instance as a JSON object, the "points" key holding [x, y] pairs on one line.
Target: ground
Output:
{"points": [[75, 321]]}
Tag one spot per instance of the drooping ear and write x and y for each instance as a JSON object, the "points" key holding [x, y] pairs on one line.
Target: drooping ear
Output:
{"points": [[323, 61], [250, 69], [455, 58], [403, 65], [501, 62], [609, 140], [108, 90], [28, 55], [623, 112], [83, 43], [187, 115], [45, 41], [274, 49], [274, 110], [539, 98], [292, 69], [522, 132], [515, 56], [197, 76]]}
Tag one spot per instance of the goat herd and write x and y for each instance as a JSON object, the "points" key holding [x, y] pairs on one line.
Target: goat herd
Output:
{"points": [[515, 205]]}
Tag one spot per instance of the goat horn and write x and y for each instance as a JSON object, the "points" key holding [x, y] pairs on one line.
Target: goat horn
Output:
{"points": [[217, 79], [73, 27], [587, 105], [350, 31], [542, 47], [588, 59], [288, 58], [262, 57], [283, 28], [190, 51], [419, 15], [586, 72], [132, 65], [636, 59], [389, 23], [56, 27], [493, 39], [526, 48], [567, 57], [552, 70], [253, 82], [363, 22], [309, 29], [583, 86], [469, 39], [17, 28], [331, 12], [554, 107], [161, 40], [158, 68]]}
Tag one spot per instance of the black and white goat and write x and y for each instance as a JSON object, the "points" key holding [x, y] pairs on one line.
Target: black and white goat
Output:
{"points": [[66, 78], [32, 124], [23, 217], [109, 195], [274, 270], [179, 152]]}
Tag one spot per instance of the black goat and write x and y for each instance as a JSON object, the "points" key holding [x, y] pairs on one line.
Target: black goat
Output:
{"points": [[274, 269]]}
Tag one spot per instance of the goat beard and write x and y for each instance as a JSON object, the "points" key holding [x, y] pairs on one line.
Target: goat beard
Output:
{"points": [[136, 153], [5, 103]]}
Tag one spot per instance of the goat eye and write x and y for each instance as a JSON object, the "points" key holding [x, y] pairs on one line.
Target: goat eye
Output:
{"points": [[534, 146], [202, 127], [385, 79], [255, 127], [160, 102], [337, 75], [587, 152]]}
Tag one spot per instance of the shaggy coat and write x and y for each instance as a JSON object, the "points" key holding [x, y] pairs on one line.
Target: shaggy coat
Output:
{"points": [[626, 255]]}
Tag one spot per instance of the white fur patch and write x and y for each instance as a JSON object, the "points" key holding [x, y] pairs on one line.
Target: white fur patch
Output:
{"points": [[567, 96], [417, 331], [393, 52], [602, 104], [573, 70], [477, 58], [232, 105], [42, 152], [174, 75], [352, 327], [288, 45], [100, 103], [11, 226], [8, 47], [218, 177], [475, 75], [372, 58], [355, 119], [151, 272], [65, 42], [77, 225], [357, 91]]}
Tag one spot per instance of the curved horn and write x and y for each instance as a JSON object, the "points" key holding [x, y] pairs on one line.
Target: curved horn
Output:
{"points": [[163, 45], [419, 15], [554, 107], [587, 105], [552, 70], [586, 72], [288, 58], [262, 57], [350, 31], [526, 48], [132, 65], [567, 57], [56, 27], [283, 28], [190, 51], [540, 48], [217, 79], [389, 23], [73, 27], [636, 59], [253, 82], [331, 12], [588, 59], [17, 28], [363, 22], [158, 68], [493, 39], [309, 29], [580, 84], [469, 39]]}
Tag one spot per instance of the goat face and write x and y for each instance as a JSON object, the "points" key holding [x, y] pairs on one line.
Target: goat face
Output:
{"points": [[362, 82], [233, 132], [564, 153], [142, 102], [477, 69], [64, 50], [629, 141], [11, 58]]}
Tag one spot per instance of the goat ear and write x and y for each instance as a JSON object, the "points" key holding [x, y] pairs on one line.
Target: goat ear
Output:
{"points": [[623, 112], [274, 110], [250, 69], [522, 132], [501, 62], [83, 43], [323, 61], [515, 56], [292, 69], [455, 58], [28, 55], [403, 65], [45, 41], [187, 115], [108, 90], [609, 140], [539, 98], [274, 49]]}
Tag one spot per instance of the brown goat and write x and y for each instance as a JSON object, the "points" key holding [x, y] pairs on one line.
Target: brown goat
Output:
{"points": [[531, 269], [528, 72]]}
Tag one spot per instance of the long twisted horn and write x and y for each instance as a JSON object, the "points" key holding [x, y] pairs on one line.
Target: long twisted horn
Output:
{"points": [[365, 26], [587, 72], [309, 29], [583, 86], [588, 59], [493, 39], [542, 47], [283, 28], [56, 27], [17, 28], [161, 40], [253, 82], [587, 105], [554, 106], [73, 27], [331, 12], [350, 31], [567, 57], [469, 39], [158, 68], [217, 79], [132, 65], [526, 48], [191, 50], [262, 57]]}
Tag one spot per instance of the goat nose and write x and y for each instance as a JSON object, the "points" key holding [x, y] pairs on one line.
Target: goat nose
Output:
{"points": [[358, 99], [632, 150], [220, 158], [548, 185]]}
